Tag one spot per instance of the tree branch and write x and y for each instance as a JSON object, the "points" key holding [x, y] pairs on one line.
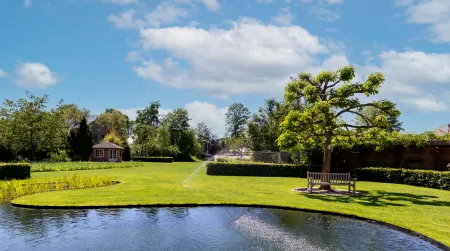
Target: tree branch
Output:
{"points": [[335, 83], [353, 107]]}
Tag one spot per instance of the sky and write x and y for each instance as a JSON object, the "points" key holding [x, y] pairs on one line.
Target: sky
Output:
{"points": [[204, 55]]}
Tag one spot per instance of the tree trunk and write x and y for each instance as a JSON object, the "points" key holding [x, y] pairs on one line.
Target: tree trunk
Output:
{"points": [[326, 166]]}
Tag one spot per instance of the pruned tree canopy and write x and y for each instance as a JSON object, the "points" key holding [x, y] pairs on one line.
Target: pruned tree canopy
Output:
{"points": [[332, 99]]}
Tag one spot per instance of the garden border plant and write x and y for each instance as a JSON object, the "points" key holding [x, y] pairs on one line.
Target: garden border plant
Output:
{"points": [[153, 159], [20, 171]]}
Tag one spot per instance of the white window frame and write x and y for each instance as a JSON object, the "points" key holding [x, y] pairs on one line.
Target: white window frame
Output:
{"points": [[98, 151]]}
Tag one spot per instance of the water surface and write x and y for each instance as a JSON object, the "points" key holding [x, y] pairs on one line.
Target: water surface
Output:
{"points": [[199, 228]]}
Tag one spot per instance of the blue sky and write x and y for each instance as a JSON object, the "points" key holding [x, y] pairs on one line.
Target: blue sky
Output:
{"points": [[206, 54]]}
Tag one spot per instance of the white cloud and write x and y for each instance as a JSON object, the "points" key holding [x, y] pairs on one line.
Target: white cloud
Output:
{"points": [[121, 2], [427, 105], [210, 114], [401, 3], [324, 13], [124, 20], [27, 4], [133, 56], [2, 73], [323, 9], [213, 5], [417, 79], [264, 1], [335, 1], [435, 13], [242, 59], [285, 18], [35, 75], [165, 13]]}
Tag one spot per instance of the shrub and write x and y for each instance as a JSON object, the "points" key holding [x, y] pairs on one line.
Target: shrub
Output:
{"points": [[255, 169], [17, 171], [423, 178], [153, 159]]}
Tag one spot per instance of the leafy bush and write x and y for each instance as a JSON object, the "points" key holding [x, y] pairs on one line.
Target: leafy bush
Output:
{"points": [[60, 156], [423, 178], [255, 169], [152, 159], [17, 171]]}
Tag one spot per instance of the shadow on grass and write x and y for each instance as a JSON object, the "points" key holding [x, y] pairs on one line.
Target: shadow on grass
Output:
{"points": [[381, 198]]}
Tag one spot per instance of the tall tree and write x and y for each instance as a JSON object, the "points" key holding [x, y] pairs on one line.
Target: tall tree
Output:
{"points": [[330, 96], [371, 113], [115, 121], [264, 127], [72, 114], [31, 128], [80, 141], [204, 136], [236, 119], [149, 115]]}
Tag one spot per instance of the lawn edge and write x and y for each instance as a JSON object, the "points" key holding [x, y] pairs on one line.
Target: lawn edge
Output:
{"points": [[389, 225]]}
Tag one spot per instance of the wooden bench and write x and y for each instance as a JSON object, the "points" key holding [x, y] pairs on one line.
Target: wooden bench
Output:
{"points": [[336, 179]]}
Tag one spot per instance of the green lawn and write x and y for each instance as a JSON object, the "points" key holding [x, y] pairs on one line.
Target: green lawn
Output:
{"points": [[423, 210]]}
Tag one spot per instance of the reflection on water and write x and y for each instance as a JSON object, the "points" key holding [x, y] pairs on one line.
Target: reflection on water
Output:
{"points": [[200, 228]]}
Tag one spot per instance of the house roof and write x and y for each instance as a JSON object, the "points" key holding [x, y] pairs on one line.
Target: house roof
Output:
{"points": [[107, 145], [442, 130]]}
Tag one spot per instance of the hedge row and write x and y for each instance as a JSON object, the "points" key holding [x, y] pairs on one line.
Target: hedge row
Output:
{"points": [[423, 178], [17, 171], [255, 169], [153, 159]]}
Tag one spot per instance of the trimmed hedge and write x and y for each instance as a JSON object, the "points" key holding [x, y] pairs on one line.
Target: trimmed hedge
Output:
{"points": [[16, 171], [255, 169], [423, 178], [153, 159]]}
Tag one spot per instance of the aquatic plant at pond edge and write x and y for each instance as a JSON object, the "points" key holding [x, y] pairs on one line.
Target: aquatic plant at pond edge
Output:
{"points": [[16, 188]]}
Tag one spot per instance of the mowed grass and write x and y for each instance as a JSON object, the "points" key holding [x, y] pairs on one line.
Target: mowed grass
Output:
{"points": [[423, 210]]}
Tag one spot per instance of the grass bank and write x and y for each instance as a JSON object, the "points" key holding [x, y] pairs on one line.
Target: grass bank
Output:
{"points": [[418, 209], [75, 166]]}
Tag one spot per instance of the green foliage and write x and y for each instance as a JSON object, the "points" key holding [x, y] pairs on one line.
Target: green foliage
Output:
{"points": [[238, 144], [13, 189], [236, 120], [423, 178], [115, 121], [17, 171], [255, 169], [74, 166], [71, 114], [80, 141], [264, 127], [370, 113], [330, 96], [28, 129], [153, 159], [126, 155], [114, 138], [204, 137], [60, 156], [150, 115]]}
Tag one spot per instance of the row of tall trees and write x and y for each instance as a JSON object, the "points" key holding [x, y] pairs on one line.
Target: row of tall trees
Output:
{"points": [[170, 134], [30, 130]]}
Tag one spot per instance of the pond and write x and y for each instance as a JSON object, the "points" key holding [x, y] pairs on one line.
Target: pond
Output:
{"points": [[197, 228]]}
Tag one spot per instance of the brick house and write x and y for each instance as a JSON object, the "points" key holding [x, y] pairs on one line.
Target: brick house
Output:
{"points": [[106, 151]]}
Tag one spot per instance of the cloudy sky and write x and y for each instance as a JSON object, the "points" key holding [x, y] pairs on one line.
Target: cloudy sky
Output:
{"points": [[204, 55]]}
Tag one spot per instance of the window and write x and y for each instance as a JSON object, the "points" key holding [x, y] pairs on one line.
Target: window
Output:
{"points": [[99, 153]]}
